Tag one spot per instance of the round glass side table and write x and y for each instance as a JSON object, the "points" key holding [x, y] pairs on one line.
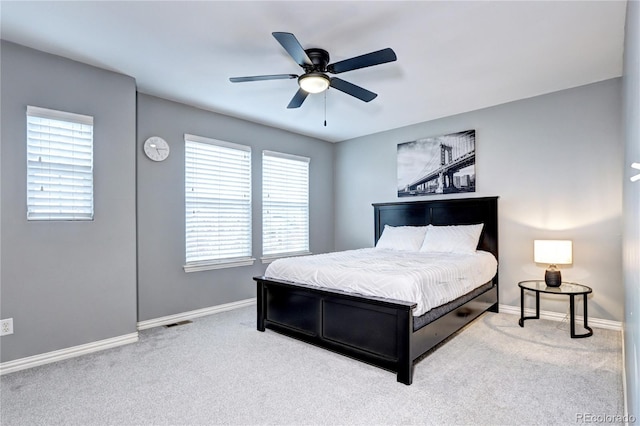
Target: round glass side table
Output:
{"points": [[566, 288]]}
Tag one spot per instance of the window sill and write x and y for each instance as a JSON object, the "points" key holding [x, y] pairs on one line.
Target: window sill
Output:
{"points": [[207, 265], [270, 258]]}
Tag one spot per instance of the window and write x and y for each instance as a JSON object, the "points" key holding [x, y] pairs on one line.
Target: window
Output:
{"points": [[285, 205], [59, 165], [217, 204]]}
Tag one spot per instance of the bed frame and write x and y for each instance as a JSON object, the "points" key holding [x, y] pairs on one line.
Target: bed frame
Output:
{"points": [[372, 329]]}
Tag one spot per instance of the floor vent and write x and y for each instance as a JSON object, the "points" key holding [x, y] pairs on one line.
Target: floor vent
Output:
{"points": [[178, 323]]}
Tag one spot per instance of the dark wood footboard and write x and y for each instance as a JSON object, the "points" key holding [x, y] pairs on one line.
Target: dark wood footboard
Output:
{"points": [[373, 330]]}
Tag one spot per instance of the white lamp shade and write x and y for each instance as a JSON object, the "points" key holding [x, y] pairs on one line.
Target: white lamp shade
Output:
{"points": [[553, 252]]}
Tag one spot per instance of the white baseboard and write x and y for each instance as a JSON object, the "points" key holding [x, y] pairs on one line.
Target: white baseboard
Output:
{"points": [[172, 319], [624, 383], [72, 352], [556, 316]]}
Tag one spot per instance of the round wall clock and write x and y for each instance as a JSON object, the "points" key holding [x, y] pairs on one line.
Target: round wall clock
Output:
{"points": [[156, 148]]}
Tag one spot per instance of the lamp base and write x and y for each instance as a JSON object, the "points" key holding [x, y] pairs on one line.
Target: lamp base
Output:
{"points": [[552, 277]]}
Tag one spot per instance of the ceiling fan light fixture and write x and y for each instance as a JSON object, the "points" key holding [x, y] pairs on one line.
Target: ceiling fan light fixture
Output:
{"points": [[314, 82]]}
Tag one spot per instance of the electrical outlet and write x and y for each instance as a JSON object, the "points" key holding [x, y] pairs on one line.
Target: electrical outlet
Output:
{"points": [[6, 326]]}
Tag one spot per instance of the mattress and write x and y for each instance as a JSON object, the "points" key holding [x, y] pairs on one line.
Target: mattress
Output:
{"points": [[426, 279]]}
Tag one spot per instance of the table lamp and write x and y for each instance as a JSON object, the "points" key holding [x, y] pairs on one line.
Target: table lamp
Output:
{"points": [[553, 252]]}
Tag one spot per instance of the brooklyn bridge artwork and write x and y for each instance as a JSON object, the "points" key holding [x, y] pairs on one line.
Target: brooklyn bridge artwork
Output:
{"points": [[437, 165]]}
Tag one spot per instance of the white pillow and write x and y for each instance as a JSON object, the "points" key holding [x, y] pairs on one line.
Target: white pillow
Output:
{"points": [[402, 238], [452, 239]]}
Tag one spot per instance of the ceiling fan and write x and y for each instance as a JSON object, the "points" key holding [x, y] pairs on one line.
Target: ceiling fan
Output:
{"points": [[315, 63]]}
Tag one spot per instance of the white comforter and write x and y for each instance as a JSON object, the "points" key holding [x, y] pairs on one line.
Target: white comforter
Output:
{"points": [[428, 279]]}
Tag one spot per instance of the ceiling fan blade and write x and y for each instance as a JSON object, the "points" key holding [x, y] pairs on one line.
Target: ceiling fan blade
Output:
{"points": [[293, 48], [352, 89], [374, 58], [262, 77], [298, 99]]}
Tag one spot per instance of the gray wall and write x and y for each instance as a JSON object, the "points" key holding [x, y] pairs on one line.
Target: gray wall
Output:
{"points": [[163, 286], [67, 283], [553, 160], [631, 242]]}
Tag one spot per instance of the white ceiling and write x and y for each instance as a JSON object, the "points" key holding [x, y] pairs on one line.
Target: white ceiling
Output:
{"points": [[453, 56]]}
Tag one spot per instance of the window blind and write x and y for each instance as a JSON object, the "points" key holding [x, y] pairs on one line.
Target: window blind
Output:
{"points": [[217, 202], [285, 204], [59, 165]]}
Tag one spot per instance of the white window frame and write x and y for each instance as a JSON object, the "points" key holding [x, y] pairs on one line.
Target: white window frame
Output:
{"points": [[208, 179], [292, 177], [59, 165]]}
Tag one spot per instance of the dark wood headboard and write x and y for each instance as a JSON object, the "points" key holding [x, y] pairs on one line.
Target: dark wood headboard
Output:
{"points": [[457, 211]]}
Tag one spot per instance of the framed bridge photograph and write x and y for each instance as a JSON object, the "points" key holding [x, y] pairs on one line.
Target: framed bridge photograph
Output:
{"points": [[437, 165]]}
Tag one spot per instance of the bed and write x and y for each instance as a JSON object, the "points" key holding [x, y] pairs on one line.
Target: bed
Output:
{"points": [[377, 330]]}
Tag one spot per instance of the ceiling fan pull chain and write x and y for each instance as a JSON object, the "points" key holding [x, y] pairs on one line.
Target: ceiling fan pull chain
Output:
{"points": [[325, 108]]}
